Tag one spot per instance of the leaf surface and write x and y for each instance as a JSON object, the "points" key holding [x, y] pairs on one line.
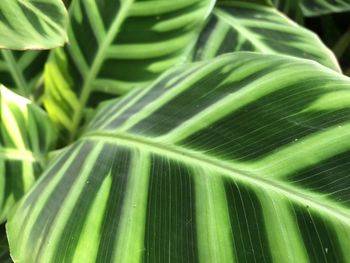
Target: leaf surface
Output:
{"points": [[22, 71], [116, 46], [32, 24], [238, 26], [244, 158], [26, 135], [322, 7]]}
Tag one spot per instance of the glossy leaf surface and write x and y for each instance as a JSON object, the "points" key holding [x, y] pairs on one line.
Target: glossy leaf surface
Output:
{"points": [[32, 24], [22, 71], [26, 135], [116, 46], [244, 158], [238, 26]]}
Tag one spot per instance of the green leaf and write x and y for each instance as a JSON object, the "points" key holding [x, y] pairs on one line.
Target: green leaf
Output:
{"points": [[244, 158], [32, 24], [4, 247], [290, 8], [115, 46], [22, 71], [238, 26], [26, 135], [297, 8], [260, 2], [321, 7]]}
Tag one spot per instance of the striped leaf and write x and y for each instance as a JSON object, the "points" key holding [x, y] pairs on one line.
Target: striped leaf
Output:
{"points": [[238, 26], [22, 71], [32, 24], [291, 8], [321, 7], [244, 158], [26, 135], [115, 46], [260, 2], [295, 8]]}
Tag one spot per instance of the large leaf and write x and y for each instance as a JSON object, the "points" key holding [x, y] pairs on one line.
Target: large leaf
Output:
{"points": [[115, 46], [290, 8], [260, 2], [238, 26], [26, 135], [321, 7], [241, 159], [32, 24], [22, 71], [294, 8]]}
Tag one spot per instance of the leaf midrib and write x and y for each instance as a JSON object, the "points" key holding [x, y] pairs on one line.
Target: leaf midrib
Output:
{"points": [[202, 160], [247, 33], [97, 63]]}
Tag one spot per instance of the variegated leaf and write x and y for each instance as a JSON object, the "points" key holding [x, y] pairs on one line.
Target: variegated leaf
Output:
{"points": [[32, 24], [115, 46], [244, 158], [26, 136], [238, 26]]}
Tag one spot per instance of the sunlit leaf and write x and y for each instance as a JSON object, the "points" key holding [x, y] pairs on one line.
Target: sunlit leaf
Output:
{"points": [[32, 24], [244, 158]]}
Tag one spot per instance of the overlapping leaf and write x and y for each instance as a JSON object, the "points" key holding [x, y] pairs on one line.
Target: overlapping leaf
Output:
{"points": [[26, 135], [238, 26], [321, 7], [295, 8], [22, 71], [32, 24], [291, 8], [244, 158], [115, 46]]}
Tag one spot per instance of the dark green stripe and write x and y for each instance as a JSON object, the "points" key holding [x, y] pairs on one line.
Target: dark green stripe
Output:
{"points": [[83, 33], [171, 219], [320, 238], [330, 177], [14, 185], [152, 95], [53, 204], [247, 222], [277, 119], [120, 169], [109, 156]]}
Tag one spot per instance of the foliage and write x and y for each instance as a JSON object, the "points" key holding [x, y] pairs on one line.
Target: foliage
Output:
{"points": [[172, 131]]}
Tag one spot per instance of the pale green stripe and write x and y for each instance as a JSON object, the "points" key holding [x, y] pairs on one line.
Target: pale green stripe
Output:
{"points": [[20, 155], [186, 84], [240, 98], [283, 233], [69, 204], [343, 234], [222, 167], [27, 58], [315, 148], [146, 8], [214, 233], [250, 35], [214, 42], [30, 216], [86, 250], [154, 49], [97, 63], [130, 241], [16, 72], [95, 19]]}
